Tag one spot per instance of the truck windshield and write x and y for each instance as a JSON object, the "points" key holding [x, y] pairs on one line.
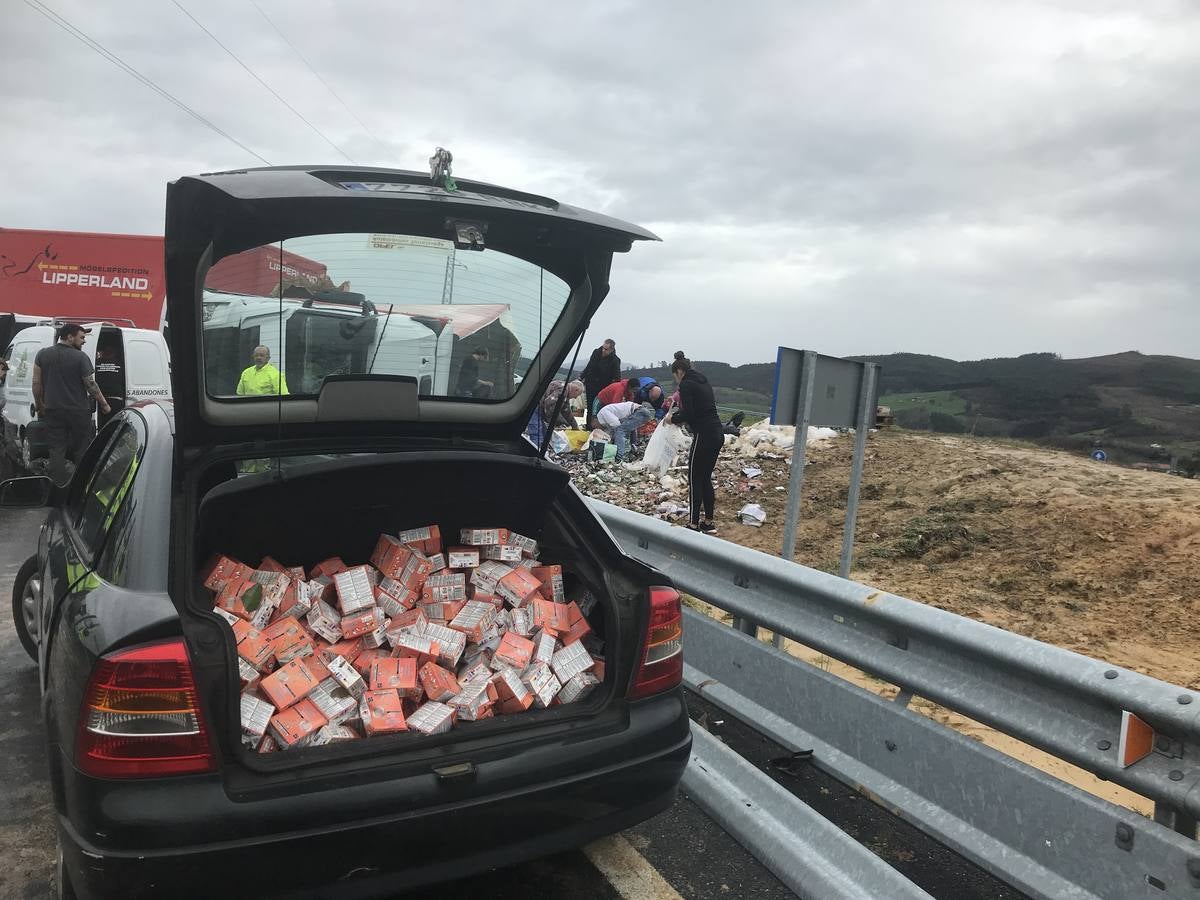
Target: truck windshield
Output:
{"points": [[280, 318]]}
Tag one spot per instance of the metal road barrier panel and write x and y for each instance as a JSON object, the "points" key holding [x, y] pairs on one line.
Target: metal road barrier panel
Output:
{"points": [[1036, 832]]}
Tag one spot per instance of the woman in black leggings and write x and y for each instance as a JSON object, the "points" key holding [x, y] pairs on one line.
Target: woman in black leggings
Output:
{"points": [[698, 410]]}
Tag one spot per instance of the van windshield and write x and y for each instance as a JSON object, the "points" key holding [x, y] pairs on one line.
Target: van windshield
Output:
{"points": [[281, 318]]}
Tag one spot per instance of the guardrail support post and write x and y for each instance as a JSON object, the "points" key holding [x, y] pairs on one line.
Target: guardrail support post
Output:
{"points": [[866, 417], [1179, 822]]}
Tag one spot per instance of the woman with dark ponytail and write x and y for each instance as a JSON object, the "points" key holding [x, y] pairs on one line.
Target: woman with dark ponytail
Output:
{"points": [[698, 410]]}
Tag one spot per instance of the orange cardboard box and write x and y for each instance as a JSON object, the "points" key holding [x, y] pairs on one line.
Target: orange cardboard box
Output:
{"points": [[570, 661], [547, 646], [290, 684], [556, 619], [327, 567], [413, 620], [509, 707], [551, 578], [293, 645], [395, 597], [284, 626], [398, 674], [487, 576], [527, 545], [462, 557], [578, 630], [542, 683], [502, 552], [347, 648], [249, 676], [522, 621], [475, 618], [451, 644], [234, 596], [355, 592], [363, 661], [417, 646], [578, 687], [478, 537], [518, 587], [382, 712], [437, 683], [346, 675], [442, 610], [256, 715], [447, 586], [316, 665], [475, 699], [270, 564], [514, 651], [296, 725], [324, 621], [428, 539], [432, 718], [355, 625], [223, 569]]}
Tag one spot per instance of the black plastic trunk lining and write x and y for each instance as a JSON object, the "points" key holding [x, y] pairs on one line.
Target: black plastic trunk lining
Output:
{"points": [[339, 508]]}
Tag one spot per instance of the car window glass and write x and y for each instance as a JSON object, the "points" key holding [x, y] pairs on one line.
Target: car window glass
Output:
{"points": [[108, 487], [281, 318]]}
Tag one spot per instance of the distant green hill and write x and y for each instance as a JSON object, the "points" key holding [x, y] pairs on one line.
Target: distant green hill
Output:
{"points": [[1126, 402]]}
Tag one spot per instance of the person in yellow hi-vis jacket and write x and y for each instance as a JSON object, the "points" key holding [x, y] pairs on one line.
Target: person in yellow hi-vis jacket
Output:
{"points": [[262, 377]]}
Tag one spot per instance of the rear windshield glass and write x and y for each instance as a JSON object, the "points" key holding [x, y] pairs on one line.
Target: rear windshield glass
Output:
{"points": [[280, 318]]}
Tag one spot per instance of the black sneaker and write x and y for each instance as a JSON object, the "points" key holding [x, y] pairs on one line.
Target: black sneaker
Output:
{"points": [[707, 528]]}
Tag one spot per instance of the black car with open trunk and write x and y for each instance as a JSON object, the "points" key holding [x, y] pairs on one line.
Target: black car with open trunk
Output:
{"points": [[412, 330]]}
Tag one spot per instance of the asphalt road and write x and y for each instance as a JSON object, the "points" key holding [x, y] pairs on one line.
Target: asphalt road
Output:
{"points": [[680, 853]]}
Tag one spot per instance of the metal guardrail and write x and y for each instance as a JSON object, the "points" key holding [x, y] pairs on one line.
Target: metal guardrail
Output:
{"points": [[807, 852], [1064, 703]]}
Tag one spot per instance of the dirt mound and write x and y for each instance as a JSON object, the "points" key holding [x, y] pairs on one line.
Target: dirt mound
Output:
{"points": [[1091, 557]]}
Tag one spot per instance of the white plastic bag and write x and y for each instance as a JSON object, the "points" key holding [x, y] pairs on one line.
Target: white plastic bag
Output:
{"points": [[559, 442], [663, 447]]}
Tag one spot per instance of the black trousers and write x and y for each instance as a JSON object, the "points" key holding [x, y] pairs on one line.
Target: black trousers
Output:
{"points": [[68, 432], [702, 459]]}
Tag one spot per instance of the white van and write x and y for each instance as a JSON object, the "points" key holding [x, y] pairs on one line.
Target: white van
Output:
{"points": [[132, 364], [310, 339]]}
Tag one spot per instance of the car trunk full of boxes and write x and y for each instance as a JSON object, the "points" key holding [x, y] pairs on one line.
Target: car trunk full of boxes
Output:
{"points": [[381, 604]]}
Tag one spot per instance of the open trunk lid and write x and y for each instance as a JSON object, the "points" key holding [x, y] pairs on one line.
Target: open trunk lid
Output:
{"points": [[389, 308]]}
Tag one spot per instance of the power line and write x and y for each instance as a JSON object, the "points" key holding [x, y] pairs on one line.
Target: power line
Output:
{"points": [[70, 29], [317, 75], [254, 75]]}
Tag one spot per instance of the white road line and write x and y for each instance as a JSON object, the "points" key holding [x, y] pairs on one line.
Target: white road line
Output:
{"points": [[627, 870]]}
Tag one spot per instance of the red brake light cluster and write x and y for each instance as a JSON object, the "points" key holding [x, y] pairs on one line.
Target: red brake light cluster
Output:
{"points": [[141, 717], [661, 666]]}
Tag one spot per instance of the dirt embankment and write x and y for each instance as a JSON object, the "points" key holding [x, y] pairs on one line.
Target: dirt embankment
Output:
{"points": [[1094, 558]]}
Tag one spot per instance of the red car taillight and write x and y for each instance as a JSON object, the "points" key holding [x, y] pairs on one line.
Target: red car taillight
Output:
{"points": [[661, 665], [141, 717]]}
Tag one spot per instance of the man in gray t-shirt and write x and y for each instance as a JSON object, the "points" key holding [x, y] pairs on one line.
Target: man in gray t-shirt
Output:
{"points": [[64, 383]]}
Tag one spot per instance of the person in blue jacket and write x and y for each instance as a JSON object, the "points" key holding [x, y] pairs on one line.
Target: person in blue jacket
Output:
{"points": [[650, 391]]}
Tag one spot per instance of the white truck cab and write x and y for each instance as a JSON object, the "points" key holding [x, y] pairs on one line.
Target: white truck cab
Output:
{"points": [[132, 364]]}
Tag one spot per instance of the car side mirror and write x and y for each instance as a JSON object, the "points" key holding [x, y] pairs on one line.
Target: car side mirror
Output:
{"points": [[24, 493]]}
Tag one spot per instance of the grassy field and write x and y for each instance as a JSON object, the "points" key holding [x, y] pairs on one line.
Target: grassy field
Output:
{"points": [[938, 401], [749, 401]]}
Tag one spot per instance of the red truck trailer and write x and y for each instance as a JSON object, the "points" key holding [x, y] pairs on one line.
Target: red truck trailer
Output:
{"points": [[84, 276]]}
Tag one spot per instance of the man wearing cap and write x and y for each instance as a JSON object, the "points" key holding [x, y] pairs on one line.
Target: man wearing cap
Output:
{"points": [[64, 384]]}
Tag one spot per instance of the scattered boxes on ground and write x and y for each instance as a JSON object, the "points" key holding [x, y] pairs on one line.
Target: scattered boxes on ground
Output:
{"points": [[418, 640]]}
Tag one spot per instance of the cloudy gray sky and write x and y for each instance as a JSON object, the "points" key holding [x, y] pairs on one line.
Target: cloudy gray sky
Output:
{"points": [[963, 179]]}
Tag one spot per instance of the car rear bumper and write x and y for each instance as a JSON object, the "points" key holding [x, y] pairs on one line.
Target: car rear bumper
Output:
{"points": [[397, 848]]}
